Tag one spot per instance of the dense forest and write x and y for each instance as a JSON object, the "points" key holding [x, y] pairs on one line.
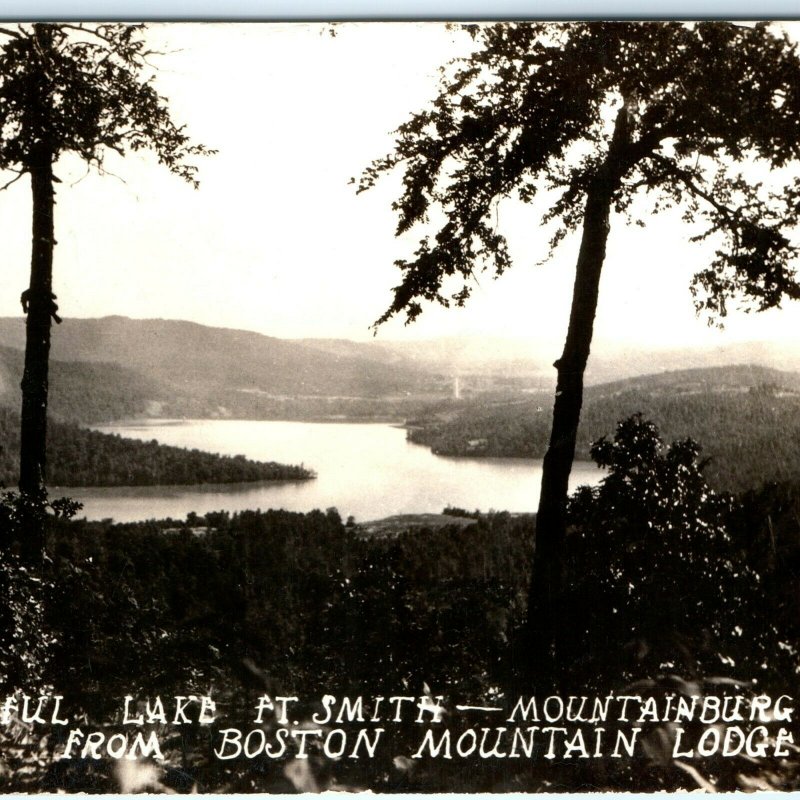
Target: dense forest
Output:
{"points": [[88, 391], [671, 582], [200, 360], [748, 419], [80, 457], [269, 601], [92, 391]]}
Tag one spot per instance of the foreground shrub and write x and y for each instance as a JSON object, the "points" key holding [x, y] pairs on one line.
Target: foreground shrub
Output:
{"points": [[656, 578]]}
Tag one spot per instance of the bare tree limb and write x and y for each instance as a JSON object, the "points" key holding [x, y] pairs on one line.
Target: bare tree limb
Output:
{"points": [[13, 180]]}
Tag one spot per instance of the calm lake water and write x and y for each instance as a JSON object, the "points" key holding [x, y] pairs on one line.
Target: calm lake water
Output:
{"points": [[367, 470]]}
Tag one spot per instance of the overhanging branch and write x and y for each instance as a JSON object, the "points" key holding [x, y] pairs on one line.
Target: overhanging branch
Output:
{"points": [[685, 177]]}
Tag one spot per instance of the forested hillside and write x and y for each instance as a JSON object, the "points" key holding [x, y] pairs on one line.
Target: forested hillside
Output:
{"points": [[202, 359], [256, 602], [747, 418], [80, 457], [91, 391]]}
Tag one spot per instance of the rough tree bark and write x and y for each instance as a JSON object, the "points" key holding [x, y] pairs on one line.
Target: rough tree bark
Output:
{"points": [[547, 577]]}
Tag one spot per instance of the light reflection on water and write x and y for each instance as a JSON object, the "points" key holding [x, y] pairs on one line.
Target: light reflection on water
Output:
{"points": [[367, 470]]}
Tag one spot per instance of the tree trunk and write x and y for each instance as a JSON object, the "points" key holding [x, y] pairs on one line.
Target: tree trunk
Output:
{"points": [[547, 576], [39, 299]]}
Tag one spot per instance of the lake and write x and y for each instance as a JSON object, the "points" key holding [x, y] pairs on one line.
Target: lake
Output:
{"points": [[367, 470]]}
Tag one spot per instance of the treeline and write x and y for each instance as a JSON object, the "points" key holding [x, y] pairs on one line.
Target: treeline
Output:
{"points": [[750, 435], [244, 404], [300, 605], [91, 392], [80, 457], [291, 592], [284, 603]]}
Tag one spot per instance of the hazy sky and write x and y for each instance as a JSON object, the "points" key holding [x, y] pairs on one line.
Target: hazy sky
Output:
{"points": [[277, 241]]}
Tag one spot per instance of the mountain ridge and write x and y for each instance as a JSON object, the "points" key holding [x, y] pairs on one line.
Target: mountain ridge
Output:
{"points": [[116, 367], [192, 356]]}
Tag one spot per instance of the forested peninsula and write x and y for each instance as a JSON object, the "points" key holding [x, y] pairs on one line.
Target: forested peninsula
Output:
{"points": [[80, 457], [747, 417]]}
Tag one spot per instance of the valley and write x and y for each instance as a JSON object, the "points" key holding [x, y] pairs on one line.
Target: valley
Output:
{"points": [[457, 397]]}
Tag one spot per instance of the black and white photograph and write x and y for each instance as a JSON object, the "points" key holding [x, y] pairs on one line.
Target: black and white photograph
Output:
{"points": [[399, 407]]}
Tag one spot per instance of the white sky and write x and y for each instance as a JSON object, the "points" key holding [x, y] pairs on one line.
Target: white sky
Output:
{"points": [[276, 241]]}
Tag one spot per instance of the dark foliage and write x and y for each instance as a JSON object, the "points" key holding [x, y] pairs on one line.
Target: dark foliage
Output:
{"points": [[292, 591], [603, 115], [528, 111], [750, 433], [80, 457], [652, 566], [676, 588]]}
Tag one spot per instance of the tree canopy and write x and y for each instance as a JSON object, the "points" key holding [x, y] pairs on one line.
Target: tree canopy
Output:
{"points": [[85, 90], [532, 109], [652, 561], [600, 115]]}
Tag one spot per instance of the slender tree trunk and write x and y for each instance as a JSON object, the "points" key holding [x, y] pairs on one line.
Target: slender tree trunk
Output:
{"points": [[547, 576], [39, 300]]}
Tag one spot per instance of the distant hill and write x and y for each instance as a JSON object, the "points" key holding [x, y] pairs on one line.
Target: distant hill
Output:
{"points": [[447, 354], [529, 362], [192, 357], [182, 368], [728, 378], [747, 419], [90, 391], [611, 364]]}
